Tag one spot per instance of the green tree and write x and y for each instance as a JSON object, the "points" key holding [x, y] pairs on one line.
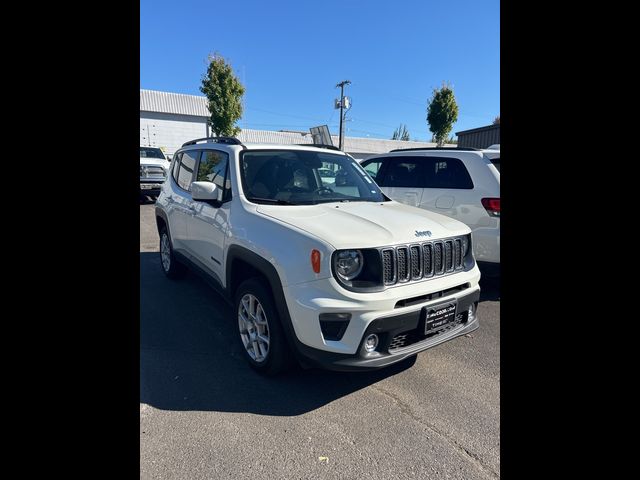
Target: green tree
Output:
{"points": [[224, 94], [401, 133], [442, 113], [496, 121]]}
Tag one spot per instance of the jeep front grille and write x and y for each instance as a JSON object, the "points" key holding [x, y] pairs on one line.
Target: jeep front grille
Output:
{"points": [[404, 263]]}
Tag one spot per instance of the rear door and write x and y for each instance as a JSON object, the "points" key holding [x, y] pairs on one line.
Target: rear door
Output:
{"points": [[449, 188], [179, 200]]}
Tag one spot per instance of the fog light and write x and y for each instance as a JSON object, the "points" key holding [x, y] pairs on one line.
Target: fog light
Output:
{"points": [[471, 315], [371, 342]]}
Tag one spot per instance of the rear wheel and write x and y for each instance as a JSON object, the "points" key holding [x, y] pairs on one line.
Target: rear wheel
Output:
{"points": [[171, 267], [261, 335]]}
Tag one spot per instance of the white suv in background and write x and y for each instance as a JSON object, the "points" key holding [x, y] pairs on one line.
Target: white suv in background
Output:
{"points": [[317, 262], [461, 183], [153, 170]]}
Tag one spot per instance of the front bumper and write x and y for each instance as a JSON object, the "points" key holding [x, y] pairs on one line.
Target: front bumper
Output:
{"points": [[386, 313], [150, 188], [387, 329]]}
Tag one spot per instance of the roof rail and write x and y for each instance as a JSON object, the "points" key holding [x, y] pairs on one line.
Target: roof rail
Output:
{"points": [[227, 140], [319, 145], [468, 149]]}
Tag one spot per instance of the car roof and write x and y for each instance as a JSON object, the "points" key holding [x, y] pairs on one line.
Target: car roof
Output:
{"points": [[262, 146], [272, 146], [426, 152]]}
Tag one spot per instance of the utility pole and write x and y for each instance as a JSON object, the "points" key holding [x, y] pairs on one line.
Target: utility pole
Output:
{"points": [[341, 85]]}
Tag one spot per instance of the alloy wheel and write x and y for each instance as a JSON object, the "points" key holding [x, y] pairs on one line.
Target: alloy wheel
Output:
{"points": [[254, 328]]}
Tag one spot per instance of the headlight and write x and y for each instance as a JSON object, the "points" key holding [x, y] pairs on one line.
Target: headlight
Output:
{"points": [[348, 264], [466, 242]]}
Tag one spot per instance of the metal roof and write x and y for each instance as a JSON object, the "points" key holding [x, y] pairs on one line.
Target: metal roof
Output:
{"points": [[479, 129], [165, 102]]}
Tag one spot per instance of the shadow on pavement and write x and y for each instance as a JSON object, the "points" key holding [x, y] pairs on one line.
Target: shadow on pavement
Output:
{"points": [[147, 200], [191, 358]]}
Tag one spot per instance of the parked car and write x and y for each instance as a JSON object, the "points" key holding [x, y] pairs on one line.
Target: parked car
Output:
{"points": [[461, 183], [339, 277], [153, 170]]}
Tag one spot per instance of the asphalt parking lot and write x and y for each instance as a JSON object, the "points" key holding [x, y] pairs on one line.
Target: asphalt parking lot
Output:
{"points": [[205, 414]]}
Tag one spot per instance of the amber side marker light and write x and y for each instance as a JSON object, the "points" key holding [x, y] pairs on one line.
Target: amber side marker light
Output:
{"points": [[315, 260]]}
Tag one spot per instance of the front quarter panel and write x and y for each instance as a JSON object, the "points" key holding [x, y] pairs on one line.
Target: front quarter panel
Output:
{"points": [[286, 247]]}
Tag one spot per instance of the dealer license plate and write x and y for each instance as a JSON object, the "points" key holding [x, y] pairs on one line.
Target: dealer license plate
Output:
{"points": [[439, 316]]}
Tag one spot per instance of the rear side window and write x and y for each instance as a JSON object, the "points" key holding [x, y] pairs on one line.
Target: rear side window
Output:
{"points": [[424, 172], [187, 165], [448, 173], [496, 162], [213, 167], [407, 172]]}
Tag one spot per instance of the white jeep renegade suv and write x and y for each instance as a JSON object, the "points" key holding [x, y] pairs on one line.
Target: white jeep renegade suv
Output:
{"points": [[331, 273]]}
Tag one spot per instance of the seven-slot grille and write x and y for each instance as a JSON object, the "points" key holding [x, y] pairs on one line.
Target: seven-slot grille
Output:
{"points": [[406, 263]]}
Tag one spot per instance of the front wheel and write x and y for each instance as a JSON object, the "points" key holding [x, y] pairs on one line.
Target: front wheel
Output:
{"points": [[261, 334]]}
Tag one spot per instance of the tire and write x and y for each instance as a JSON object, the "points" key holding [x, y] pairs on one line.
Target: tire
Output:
{"points": [[258, 319], [170, 265]]}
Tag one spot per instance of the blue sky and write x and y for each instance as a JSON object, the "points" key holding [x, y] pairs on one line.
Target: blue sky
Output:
{"points": [[291, 54]]}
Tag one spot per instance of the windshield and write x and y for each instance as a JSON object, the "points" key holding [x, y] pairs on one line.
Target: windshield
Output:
{"points": [[297, 177], [149, 152]]}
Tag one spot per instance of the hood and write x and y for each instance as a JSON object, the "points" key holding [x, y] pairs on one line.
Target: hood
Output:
{"points": [[154, 161], [366, 224]]}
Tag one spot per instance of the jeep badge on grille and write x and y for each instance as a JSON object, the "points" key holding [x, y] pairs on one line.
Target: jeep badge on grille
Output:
{"points": [[423, 233]]}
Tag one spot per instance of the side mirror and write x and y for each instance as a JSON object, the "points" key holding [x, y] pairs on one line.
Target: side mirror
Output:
{"points": [[206, 192]]}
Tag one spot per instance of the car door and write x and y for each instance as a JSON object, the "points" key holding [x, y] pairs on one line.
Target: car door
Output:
{"points": [[179, 207], [448, 188], [400, 178], [209, 221]]}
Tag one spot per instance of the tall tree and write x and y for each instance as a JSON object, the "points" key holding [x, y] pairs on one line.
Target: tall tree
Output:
{"points": [[224, 94], [442, 113], [496, 121], [401, 133]]}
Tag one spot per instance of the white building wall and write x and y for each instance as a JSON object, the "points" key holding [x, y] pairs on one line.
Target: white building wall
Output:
{"points": [[169, 131]]}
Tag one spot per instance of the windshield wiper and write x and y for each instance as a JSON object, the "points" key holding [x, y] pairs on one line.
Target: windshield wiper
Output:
{"points": [[271, 200]]}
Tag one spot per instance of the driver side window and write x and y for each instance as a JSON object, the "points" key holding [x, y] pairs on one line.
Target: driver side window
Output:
{"points": [[213, 168]]}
